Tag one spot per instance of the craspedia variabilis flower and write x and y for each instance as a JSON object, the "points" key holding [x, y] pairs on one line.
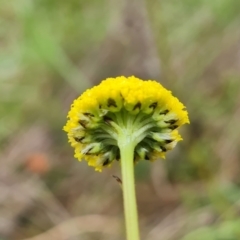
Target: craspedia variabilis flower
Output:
{"points": [[149, 111]]}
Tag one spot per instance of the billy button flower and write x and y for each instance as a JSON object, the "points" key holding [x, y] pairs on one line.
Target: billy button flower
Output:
{"points": [[125, 119]]}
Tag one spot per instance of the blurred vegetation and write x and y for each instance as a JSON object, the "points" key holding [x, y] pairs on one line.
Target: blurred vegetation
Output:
{"points": [[51, 51]]}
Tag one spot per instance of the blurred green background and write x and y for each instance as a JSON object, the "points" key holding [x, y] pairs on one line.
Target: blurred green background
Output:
{"points": [[52, 50]]}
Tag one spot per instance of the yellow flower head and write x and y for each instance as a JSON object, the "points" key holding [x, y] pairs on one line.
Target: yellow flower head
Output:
{"points": [[145, 109]]}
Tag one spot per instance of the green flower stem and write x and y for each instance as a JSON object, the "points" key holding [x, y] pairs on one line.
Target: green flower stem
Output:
{"points": [[127, 145]]}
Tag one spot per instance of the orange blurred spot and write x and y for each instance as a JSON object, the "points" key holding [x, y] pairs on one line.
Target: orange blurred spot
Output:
{"points": [[37, 163]]}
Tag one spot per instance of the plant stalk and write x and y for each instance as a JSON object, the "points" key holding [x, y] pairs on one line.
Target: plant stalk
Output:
{"points": [[128, 184]]}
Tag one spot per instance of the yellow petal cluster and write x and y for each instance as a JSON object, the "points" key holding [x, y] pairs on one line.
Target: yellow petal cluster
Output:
{"points": [[123, 98]]}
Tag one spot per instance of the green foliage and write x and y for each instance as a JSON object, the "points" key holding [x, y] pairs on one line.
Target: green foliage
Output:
{"points": [[40, 38], [227, 230]]}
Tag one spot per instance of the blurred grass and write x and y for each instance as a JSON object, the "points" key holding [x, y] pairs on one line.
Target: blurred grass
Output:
{"points": [[46, 51]]}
